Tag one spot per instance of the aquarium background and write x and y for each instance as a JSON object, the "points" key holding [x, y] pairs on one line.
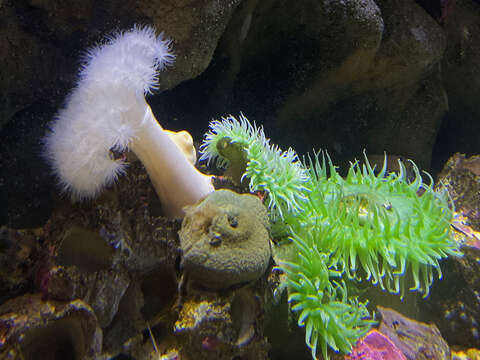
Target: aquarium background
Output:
{"points": [[400, 77]]}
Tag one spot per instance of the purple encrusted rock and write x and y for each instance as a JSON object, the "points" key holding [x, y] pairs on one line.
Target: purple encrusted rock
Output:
{"points": [[375, 346]]}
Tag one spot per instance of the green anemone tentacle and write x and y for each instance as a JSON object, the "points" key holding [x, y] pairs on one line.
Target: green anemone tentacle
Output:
{"points": [[279, 173], [380, 223], [371, 225]]}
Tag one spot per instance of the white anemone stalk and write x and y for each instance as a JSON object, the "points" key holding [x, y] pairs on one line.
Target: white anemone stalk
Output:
{"points": [[107, 111]]}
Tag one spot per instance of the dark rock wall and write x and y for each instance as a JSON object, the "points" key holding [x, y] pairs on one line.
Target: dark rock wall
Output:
{"points": [[461, 79], [41, 46], [401, 77], [340, 75]]}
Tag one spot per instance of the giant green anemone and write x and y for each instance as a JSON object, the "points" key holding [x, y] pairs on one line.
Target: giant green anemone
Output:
{"points": [[279, 173], [319, 296], [378, 226], [370, 225]]}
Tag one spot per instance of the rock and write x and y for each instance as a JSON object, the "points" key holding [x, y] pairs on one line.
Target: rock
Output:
{"points": [[375, 346], [225, 240], [82, 267], [343, 76], [387, 81], [31, 328], [461, 66], [469, 354], [195, 27], [454, 303], [412, 44], [461, 178], [19, 251], [221, 327], [129, 323], [416, 340], [45, 32], [27, 74], [94, 251]]}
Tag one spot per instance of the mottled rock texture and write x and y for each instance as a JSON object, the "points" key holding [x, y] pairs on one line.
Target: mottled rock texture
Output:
{"points": [[454, 303], [33, 329], [222, 327]]}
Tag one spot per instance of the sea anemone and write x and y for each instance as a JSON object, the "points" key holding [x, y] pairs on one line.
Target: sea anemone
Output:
{"points": [[107, 111], [379, 223], [279, 173], [317, 293], [373, 226]]}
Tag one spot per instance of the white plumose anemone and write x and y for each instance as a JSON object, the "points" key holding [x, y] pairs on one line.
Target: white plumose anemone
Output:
{"points": [[107, 110]]}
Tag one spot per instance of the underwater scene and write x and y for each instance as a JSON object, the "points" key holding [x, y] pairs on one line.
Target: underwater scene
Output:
{"points": [[240, 180]]}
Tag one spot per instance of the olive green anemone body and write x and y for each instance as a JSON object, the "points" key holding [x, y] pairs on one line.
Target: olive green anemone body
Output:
{"points": [[368, 225]]}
